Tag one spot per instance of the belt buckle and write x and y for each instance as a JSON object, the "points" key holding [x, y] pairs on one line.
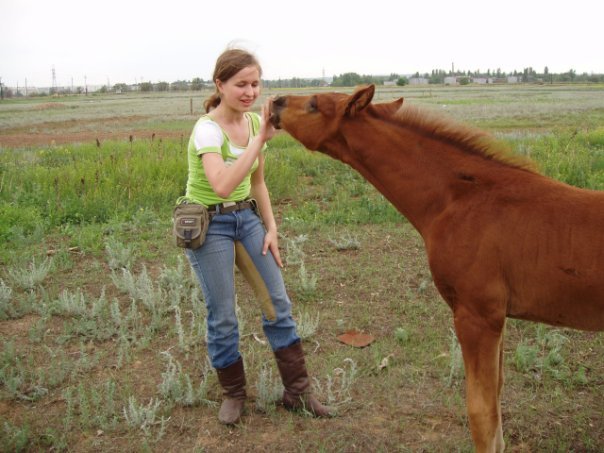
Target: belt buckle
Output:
{"points": [[227, 206]]}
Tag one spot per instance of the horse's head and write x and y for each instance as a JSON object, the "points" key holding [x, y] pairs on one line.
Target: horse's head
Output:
{"points": [[315, 120]]}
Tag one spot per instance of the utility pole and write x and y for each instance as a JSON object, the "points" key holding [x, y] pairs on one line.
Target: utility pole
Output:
{"points": [[54, 80]]}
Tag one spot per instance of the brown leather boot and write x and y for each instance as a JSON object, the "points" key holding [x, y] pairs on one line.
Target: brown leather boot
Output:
{"points": [[232, 381], [296, 394]]}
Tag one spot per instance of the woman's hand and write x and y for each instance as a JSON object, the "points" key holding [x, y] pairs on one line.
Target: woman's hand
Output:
{"points": [[271, 243], [267, 130]]}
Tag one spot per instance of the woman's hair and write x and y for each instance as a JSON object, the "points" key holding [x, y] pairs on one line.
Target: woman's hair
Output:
{"points": [[229, 63]]}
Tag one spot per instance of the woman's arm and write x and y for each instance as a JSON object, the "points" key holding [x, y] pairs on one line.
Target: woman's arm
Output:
{"points": [[260, 193], [225, 179]]}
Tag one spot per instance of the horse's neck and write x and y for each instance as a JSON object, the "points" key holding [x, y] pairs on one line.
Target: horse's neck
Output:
{"points": [[414, 172]]}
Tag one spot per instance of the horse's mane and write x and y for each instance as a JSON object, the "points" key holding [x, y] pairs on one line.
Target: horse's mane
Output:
{"points": [[467, 138]]}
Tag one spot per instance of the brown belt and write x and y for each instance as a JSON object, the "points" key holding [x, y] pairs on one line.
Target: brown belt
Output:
{"points": [[231, 206]]}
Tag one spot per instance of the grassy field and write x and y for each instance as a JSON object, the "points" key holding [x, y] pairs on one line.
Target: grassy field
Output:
{"points": [[102, 325]]}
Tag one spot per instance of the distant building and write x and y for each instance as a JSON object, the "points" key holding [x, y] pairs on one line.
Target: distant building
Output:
{"points": [[480, 80], [389, 83], [451, 80], [418, 81], [513, 79]]}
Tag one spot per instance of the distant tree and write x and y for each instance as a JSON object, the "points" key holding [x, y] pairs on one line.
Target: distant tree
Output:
{"points": [[464, 80], [595, 78], [146, 86], [529, 74], [349, 79], [179, 85], [572, 74], [568, 76], [437, 76], [402, 81], [162, 86], [121, 88], [196, 84]]}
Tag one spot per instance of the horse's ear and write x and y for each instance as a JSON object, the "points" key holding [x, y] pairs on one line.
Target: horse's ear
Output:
{"points": [[397, 103], [359, 100], [387, 109]]}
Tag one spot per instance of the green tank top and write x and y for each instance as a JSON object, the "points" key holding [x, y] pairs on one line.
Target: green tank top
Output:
{"points": [[199, 189]]}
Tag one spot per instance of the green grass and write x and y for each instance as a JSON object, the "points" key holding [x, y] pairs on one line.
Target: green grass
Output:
{"points": [[71, 185], [59, 186], [102, 323]]}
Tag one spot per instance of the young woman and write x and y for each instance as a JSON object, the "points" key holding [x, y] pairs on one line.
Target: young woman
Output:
{"points": [[226, 171]]}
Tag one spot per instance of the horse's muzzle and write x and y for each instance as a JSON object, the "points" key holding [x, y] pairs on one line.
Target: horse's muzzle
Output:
{"points": [[275, 108]]}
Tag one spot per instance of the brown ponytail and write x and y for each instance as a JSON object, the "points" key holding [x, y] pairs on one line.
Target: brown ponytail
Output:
{"points": [[212, 102], [229, 63]]}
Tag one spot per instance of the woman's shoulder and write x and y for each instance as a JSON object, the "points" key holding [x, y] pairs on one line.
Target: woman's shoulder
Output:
{"points": [[207, 130], [205, 122], [206, 119]]}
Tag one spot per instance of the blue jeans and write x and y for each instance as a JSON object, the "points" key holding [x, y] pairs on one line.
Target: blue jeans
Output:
{"points": [[213, 264]]}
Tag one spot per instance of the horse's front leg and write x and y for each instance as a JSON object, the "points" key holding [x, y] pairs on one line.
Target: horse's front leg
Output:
{"points": [[481, 344]]}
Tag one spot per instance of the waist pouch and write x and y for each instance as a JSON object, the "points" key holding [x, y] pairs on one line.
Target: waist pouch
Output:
{"points": [[191, 223]]}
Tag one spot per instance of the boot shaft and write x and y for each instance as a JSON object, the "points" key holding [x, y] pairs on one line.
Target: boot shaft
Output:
{"points": [[292, 368], [296, 383], [232, 380]]}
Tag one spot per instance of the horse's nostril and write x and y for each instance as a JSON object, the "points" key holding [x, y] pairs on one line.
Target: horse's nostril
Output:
{"points": [[279, 102]]}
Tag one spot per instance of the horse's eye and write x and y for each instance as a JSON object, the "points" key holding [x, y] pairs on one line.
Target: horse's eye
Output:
{"points": [[312, 104]]}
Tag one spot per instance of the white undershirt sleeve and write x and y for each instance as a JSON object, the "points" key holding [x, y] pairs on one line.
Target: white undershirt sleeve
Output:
{"points": [[208, 137]]}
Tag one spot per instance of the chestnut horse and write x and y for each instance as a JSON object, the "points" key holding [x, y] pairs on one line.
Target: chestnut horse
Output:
{"points": [[502, 240]]}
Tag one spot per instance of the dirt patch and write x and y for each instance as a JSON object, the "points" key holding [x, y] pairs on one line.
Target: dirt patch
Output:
{"points": [[82, 131], [17, 327], [50, 105], [22, 140]]}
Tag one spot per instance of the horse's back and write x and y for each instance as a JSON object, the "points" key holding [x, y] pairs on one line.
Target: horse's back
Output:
{"points": [[537, 254]]}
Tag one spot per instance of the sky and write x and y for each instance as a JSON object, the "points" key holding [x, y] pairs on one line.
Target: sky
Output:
{"points": [[108, 42]]}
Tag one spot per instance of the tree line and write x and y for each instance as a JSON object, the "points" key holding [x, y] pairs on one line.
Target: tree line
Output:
{"points": [[348, 79], [438, 76]]}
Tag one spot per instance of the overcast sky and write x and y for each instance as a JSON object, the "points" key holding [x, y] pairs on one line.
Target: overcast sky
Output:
{"points": [[129, 41]]}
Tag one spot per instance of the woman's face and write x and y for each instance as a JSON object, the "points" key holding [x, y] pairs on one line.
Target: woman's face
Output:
{"points": [[240, 91]]}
